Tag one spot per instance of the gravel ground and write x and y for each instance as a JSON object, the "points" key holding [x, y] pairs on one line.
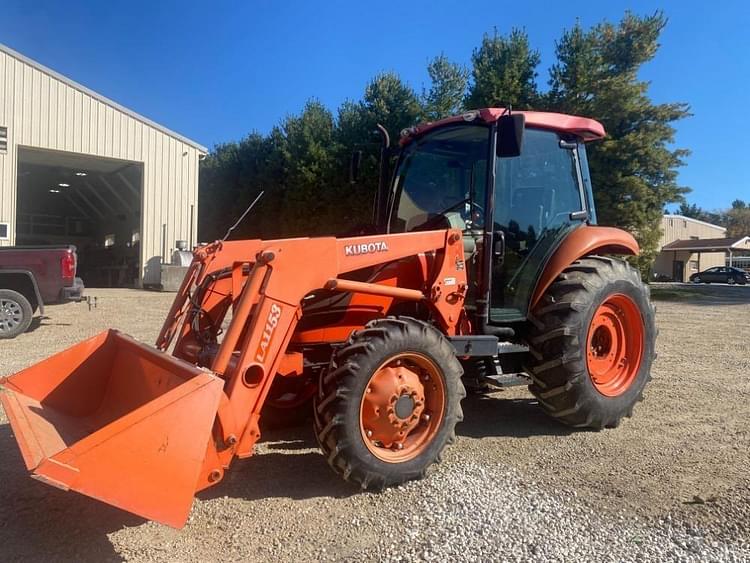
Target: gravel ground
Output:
{"points": [[672, 484]]}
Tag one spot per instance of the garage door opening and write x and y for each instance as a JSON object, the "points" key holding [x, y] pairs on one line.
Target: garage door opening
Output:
{"points": [[91, 202]]}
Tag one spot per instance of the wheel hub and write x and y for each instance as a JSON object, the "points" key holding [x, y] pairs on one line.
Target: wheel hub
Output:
{"points": [[398, 407], [10, 315], [614, 345], [404, 407]]}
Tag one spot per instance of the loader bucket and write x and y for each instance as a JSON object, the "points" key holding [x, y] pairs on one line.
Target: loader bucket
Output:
{"points": [[118, 421]]}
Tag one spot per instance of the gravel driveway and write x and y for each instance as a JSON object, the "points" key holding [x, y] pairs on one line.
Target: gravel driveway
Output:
{"points": [[671, 484]]}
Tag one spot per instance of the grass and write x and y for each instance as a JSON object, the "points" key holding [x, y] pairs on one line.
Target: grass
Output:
{"points": [[671, 294]]}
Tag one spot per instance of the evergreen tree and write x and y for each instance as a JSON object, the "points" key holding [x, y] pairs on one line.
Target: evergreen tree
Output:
{"points": [[634, 169], [738, 219], [447, 90], [504, 72]]}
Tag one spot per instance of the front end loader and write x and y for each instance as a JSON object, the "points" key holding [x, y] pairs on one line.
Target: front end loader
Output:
{"points": [[488, 263]]}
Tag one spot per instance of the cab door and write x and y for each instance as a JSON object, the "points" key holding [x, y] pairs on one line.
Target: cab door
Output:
{"points": [[539, 200]]}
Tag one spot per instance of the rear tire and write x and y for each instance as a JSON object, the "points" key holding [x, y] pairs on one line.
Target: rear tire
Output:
{"points": [[389, 403], [15, 313], [592, 343]]}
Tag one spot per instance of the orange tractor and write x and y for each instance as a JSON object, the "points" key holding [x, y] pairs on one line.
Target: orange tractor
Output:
{"points": [[485, 261]]}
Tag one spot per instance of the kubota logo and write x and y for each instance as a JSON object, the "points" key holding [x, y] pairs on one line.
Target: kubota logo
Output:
{"points": [[271, 322], [365, 248]]}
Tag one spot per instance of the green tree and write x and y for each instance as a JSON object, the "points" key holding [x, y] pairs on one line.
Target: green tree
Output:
{"points": [[388, 100], [448, 83], [695, 212], [634, 169], [504, 72], [738, 219], [231, 176], [311, 176]]}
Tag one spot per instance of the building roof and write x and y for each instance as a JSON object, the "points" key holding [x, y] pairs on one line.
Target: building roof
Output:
{"points": [[584, 127], [708, 244], [75, 85], [692, 220]]}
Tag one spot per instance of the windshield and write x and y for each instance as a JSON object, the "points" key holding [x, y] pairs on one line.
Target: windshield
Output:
{"points": [[441, 180]]}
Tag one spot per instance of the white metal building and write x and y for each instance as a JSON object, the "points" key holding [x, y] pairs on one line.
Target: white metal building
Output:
{"points": [[689, 246], [78, 168]]}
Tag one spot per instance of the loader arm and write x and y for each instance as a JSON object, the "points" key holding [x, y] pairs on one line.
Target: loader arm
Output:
{"points": [[267, 307]]}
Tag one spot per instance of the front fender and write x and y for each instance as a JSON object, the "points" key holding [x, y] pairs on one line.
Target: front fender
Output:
{"points": [[582, 242]]}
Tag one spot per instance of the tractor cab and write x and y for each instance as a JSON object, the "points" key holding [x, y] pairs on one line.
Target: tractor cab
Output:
{"points": [[515, 200]]}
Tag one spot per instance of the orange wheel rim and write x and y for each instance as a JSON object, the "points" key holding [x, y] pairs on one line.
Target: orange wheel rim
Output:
{"points": [[614, 345], [402, 407]]}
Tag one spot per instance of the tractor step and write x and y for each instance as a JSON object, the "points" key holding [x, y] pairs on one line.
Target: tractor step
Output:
{"points": [[511, 348]]}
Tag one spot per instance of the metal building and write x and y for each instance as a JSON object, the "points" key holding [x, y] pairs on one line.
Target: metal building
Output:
{"points": [[78, 168], [688, 246]]}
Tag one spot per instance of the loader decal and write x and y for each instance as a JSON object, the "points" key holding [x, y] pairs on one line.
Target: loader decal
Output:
{"points": [[265, 341], [365, 248]]}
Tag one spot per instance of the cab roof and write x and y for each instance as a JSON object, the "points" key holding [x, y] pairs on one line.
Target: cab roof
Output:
{"points": [[583, 127]]}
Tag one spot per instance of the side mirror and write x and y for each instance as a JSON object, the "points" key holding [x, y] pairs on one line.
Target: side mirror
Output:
{"points": [[354, 166], [510, 130]]}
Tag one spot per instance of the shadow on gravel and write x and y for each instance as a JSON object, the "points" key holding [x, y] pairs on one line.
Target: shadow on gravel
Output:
{"points": [[285, 467], [498, 416], [39, 322], [41, 523]]}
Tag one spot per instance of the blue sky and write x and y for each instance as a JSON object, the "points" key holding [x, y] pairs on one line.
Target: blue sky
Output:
{"points": [[215, 71]]}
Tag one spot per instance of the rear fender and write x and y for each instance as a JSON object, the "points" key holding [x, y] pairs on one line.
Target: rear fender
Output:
{"points": [[24, 282], [582, 242]]}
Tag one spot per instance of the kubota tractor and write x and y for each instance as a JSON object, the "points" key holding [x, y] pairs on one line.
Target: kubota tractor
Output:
{"points": [[485, 258]]}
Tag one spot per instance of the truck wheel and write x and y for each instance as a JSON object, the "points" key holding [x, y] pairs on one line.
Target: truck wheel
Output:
{"points": [[592, 343], [15, 313], [389, 402]]}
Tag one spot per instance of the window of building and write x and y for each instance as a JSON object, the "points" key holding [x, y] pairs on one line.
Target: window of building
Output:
{"points": [[694, 237], [694, 265], [4, 231], [3, 139]]}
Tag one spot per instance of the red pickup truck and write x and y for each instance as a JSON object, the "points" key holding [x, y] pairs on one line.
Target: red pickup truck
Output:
{"points": [[31, 276]]}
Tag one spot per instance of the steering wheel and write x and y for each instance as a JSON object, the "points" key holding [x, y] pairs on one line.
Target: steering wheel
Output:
{"points": [[441, 215]]}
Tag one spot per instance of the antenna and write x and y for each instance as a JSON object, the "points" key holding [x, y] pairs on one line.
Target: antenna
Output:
{"points": [[233, 227]]}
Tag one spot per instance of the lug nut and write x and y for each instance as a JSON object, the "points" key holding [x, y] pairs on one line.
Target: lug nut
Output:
{"points": [[426, 417], [369, 433]]}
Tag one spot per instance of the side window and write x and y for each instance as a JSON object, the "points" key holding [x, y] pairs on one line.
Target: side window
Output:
{"points": [[539, 189], [535, 195]]}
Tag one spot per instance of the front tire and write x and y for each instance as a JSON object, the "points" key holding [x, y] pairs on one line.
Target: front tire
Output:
{"points": [[15, 313], [592, 343], [389, 403]]}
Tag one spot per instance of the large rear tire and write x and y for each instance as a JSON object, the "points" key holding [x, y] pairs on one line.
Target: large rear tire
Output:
{"points": [[592, 343], [389, 403]]}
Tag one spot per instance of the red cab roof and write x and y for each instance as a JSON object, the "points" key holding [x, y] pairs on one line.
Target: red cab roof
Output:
{"points": [[583, 127]]}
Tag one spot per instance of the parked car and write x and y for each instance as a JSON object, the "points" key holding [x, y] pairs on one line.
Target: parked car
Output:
{"points": [[32, 276], [721, 274]]}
